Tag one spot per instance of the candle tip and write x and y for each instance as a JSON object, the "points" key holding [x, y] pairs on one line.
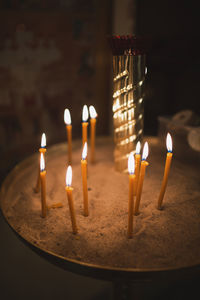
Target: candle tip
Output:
{"points": [[69, 176], [131, 163], [169, 142], [145, 151], [93, 113], [138, 147], [43, 140], [84, 153], [67, 117], [85, 113], [42, 162]]}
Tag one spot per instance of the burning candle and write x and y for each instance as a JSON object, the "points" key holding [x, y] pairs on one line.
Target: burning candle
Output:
{"points": [[42, 149], [167, 168], [132, 177], [93, 116], [137, 164], [43, 185], [84, 124], [67, 120], [84, 179], [143, 166], [69, 190]]}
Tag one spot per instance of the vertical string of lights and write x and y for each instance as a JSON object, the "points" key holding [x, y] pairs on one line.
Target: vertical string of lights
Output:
{"points": [[129, 70]]}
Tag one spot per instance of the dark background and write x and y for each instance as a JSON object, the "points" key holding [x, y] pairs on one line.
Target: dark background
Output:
{"points": [[83, 75]]}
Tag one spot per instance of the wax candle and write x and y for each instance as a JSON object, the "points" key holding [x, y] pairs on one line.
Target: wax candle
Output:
{"points": [[42, 149], [137, 164], [67, 119], [166, 171], [93, 116], [132, 177], [84, 179], [69, 190], [143, 166], [43, 185], [84, 124]]}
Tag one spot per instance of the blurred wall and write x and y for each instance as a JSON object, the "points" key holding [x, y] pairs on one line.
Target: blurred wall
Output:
{"points": [[53, 55]]}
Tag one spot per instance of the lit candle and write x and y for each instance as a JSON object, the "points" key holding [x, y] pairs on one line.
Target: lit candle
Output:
{"points": [[42, 149], [143, 166], [43, 185], [84, 124], [167, 168], [69, 190], [137, 164], [67, 119], [93, 116], [132, 177], [84, 179]]}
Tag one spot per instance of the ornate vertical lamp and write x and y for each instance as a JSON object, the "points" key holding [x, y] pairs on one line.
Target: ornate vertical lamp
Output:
{"points": [[129, 70]]}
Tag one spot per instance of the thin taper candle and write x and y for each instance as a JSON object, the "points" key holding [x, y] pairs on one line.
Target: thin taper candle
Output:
{"points": [[93, 116], [84, 180], [69, 190], [43, 185], [42, 149], [166, 172], [137, 165], [67, 119], [84, 124], [143, 166], [131, 167]]}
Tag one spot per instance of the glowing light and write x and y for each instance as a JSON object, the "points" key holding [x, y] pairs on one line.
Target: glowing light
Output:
{"points": [[43, 140], [169, 142], [140, 83], [69, 176], [145, 152], [131, 163], [120, 75], [93, 113], [42, 162], [85, 114], [140, 100], [84, 153], [67, 117], [145, 70], [138, 147]]}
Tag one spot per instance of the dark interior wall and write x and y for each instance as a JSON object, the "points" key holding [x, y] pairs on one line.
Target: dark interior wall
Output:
{"points": [[53, 55], [173, 59]]}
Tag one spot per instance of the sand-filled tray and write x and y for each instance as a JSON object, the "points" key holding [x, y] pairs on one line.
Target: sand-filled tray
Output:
{"points": [[163, 239]]}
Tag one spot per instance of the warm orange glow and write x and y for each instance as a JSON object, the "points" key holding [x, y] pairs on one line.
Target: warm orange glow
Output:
{"points": [[138, 148], [84, 153], [131, 164], [85, 113], [69, 176], [43, 140], [67, 117], [42, 162], [169, 142], [145, 151], [93, 113]]}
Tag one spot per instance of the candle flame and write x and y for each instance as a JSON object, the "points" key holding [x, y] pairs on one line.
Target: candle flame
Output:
{"points": [[169, 142], [42, 162], [145, 152], [131, 163], [138, 147], [67, 117], [43, 140], [93, 113], [84, 153], [85, 113], [69, 176]]}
